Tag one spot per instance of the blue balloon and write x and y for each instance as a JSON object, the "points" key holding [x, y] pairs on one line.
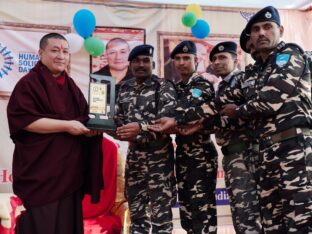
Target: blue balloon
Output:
{"points": [[84, 23], [201, 29]]}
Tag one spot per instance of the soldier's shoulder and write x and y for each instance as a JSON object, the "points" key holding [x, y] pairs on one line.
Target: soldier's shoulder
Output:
{"points": [[239, 73], [163, 81], [292, 48], [284, 55], [200, 79], [202, 84], [126, 83]]}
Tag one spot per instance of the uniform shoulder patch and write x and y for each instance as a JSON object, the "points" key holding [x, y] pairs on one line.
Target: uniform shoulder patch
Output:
{"points": [[282, 59], [196, 93]]}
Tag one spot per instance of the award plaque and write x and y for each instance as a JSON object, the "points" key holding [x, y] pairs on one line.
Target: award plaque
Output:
{"points": [[101, 110]]}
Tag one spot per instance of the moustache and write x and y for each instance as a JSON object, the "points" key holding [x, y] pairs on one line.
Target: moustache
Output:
{"points": [[263, 39]]}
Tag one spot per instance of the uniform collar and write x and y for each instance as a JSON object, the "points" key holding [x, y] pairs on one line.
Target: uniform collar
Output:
{"points": [[229, 76]]}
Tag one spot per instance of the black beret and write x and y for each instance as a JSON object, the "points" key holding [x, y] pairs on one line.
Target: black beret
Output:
{"points": [[147, 50], [244, 38], [185, 47], [268, 13], [226, 46]]}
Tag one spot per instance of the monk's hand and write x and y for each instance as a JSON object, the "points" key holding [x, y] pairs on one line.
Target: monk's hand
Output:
{"points": [[230, 110], [93, 132], [189, 129], [163, 124], [76, 128], [128, 131]]}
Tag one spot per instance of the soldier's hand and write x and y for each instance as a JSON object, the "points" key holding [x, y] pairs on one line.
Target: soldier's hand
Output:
{"points": [[76, 128], [128, 131], [189, 129], [163, 124], [230, 110]]}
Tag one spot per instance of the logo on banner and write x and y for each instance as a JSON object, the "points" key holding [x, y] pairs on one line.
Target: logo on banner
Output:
{"points": [[26, 61], [222, 197], [6, 61]]}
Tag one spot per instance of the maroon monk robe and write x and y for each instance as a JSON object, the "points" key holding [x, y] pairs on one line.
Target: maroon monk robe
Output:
{"points": [[48, 167]]}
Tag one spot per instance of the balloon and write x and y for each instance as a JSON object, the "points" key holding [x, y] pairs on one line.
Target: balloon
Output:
{"points": [[84, 22], [189, 19], [201, 29], [195, 9], [75, 42], [94, 46]]}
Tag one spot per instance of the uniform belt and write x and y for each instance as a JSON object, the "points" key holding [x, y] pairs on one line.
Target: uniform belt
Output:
{"points": [[233, 148], [284, 135], [151, 145]]}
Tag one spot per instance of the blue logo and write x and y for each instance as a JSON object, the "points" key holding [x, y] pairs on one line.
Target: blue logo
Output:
{"points": [[6, 61], [282, 59], [196, 93]]}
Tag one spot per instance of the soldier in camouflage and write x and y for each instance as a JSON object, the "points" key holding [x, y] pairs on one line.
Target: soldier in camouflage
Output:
{"points": [[196, 156], [149, 166], [278, 98], [238, 147]]}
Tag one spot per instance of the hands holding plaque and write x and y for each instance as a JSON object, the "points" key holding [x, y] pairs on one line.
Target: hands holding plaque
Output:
{"points": [[101, 110]]}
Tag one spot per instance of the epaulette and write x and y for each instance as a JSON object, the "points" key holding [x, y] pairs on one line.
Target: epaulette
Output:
{"points": [[293, 46]]}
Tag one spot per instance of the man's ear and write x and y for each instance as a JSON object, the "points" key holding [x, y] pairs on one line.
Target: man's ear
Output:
{"points": [[40, 52], [236, 61], [281, 28], [153, 64], [196, 59], [196, 62]]}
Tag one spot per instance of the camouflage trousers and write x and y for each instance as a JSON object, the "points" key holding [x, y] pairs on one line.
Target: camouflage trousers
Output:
{"points": [[285, 185], [240, 181], [149, 190], [196, 172]]}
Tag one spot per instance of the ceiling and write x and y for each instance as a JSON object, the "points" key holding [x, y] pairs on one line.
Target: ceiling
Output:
{"points": [[280, 4]]}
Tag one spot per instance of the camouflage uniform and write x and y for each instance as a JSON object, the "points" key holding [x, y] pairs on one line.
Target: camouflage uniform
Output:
{"points": [[279, 99], [196, 164], [239, 162], [240, 153], [149, 180]]}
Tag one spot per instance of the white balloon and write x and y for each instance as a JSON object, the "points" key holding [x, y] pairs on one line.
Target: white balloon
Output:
{"points": [[75, 42]]}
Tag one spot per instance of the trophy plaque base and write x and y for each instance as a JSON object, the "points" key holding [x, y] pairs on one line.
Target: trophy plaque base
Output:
{"points": [[100, 124]]}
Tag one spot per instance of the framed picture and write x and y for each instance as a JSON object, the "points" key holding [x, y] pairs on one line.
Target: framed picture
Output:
{"points": [[129, 37], [19, 44], [168, 40]]}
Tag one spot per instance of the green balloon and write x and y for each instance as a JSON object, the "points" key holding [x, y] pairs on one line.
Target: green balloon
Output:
{"points": [[94, 46], [189, 19]]}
